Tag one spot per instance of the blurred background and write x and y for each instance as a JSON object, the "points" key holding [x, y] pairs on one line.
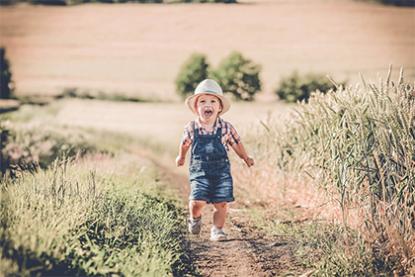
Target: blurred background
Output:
{"points": [[137, 49], [263, 52]]}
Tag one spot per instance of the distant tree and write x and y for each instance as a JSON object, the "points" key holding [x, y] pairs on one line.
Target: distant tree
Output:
{"points": [[296, 87], [239, 76], [408, 3], [7, 2], [6, 83], [192, 72]]}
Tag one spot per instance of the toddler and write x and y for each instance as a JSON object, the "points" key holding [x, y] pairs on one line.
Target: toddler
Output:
{"points": [[209, 138]]}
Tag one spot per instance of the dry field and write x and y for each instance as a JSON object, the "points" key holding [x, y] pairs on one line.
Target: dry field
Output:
{"points": [[167, 120], [138, 48]]}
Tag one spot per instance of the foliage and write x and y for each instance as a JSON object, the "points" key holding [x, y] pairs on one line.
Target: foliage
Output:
{"points": [[239, 76], [6, 84], [7, 2], [404, 3], [72, 92], [69, 221], [296, 87], [192, 72]]}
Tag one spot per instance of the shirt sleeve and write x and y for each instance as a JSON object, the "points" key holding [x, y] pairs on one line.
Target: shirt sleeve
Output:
{"points": [[232, 134], [187, 137]]}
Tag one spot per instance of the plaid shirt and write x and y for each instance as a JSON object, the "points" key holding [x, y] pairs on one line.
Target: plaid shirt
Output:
{"points": [[229, 134]]}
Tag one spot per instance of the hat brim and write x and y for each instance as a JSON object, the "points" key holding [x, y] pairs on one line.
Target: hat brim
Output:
{"points": [[191, 102]]}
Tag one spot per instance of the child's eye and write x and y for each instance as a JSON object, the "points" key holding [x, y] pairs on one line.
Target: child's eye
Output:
{"points": [[202, 101]]}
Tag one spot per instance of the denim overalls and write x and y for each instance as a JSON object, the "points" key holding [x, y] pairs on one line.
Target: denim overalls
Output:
{"points": [[210, 170]]}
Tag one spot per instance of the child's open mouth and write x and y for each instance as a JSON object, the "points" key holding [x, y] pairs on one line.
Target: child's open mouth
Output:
{"points": [[208, 113]]}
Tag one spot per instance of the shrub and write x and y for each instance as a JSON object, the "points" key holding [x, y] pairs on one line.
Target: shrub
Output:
{"points": [[296, 87], [192, 72], [6, 84], [403, 3], [7, 2], [239, 76]]}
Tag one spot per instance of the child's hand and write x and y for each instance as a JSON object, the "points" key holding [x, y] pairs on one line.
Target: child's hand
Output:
{"points": [[180, 161], [249, 161]]}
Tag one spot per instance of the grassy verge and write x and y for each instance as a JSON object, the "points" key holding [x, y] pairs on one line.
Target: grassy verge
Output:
{"points": [[352, 150], [102, 213], [66, 220]]}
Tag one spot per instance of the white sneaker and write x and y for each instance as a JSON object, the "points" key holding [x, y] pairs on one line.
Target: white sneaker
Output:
{"points": [[194, 225], [217, 234]]}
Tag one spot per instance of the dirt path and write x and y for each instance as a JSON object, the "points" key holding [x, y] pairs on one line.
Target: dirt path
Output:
{"points": [[247, 252]]}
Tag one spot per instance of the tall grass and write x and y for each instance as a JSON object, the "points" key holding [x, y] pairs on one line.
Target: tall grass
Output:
{"points": [[71, 221], [358, 144], [104, 212]]}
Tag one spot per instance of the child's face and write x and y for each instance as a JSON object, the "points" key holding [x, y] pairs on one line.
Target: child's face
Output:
{"points": [[208, 106]]}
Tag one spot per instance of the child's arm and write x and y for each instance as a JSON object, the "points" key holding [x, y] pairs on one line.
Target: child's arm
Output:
{"points": [[184, 145], [182, 153], [241, 152]]}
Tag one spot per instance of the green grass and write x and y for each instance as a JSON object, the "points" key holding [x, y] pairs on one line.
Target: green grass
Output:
{"points": [[106, 212], [66, 220]]}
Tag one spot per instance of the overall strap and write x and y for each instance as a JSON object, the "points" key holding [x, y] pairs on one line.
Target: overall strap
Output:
{"points": [[195, 130], [219, 132]]}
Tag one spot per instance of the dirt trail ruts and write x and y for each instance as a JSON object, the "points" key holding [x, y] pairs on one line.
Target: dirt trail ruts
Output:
{"points": [[246, 252]]}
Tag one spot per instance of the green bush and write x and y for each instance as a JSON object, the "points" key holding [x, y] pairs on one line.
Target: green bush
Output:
{"points": [[403, 3], [239, 76], [296, 87], [192, 72], [6, 83], [7, 2]]}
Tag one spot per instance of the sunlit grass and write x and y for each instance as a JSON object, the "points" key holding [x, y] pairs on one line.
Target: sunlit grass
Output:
{"points": [[348, 158], [106, 212]]}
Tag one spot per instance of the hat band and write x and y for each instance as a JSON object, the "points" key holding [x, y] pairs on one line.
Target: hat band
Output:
{"points": [[209, 91]]}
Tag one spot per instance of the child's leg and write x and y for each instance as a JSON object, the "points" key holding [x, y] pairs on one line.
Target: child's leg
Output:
{"points": [[219, 215], [195, 208]]}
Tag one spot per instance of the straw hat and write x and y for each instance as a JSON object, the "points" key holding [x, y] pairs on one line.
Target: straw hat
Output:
{"points": [[209, 87]]}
